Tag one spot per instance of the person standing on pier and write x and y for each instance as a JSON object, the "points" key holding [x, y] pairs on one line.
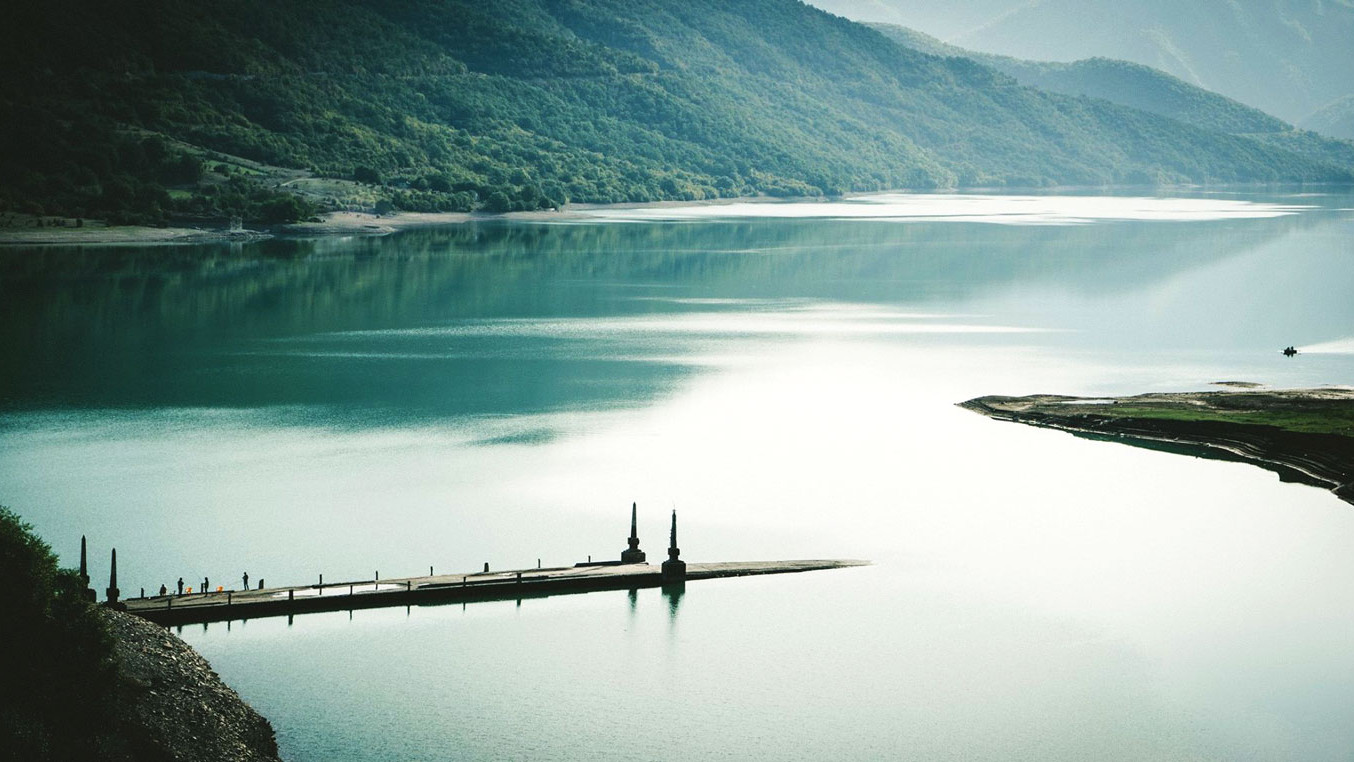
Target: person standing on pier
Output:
{"points": [[245, 577], [180, 585], [163, 590]]}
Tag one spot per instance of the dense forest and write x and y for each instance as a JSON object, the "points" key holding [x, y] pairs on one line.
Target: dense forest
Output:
{"points": [[138, 112]]}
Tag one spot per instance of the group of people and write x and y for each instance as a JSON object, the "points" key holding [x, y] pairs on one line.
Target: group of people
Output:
{"points": [[244, 585]]}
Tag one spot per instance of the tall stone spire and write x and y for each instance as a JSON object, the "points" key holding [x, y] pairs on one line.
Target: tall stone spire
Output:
{"points": [[113, 592], [84, 572], [674, 569], [633, 555]]}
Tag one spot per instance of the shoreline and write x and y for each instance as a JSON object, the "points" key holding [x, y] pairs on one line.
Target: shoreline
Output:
{"points": [[1263, 432], [335, 224], [371, 224], [171, 704]]}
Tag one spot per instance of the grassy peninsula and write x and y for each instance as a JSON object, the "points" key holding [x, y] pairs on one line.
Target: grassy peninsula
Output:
{"points": [[1305, 435]]}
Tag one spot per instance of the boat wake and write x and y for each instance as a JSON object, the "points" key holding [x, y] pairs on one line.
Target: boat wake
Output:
{"points": [[1337, 347]]}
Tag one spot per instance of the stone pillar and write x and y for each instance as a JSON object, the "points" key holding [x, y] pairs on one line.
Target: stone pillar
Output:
{"points": [[633, 555], [89, 593], [674, 569], [112, 591]]}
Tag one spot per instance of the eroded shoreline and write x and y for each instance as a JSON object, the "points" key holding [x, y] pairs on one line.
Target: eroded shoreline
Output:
{"points": [[1065, 205], [1304, 435], [330, 224]]}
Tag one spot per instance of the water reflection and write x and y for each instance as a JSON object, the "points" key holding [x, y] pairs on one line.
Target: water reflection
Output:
{"points": [[495, 391], [301, 385], [497, 318], [673, 592], [1005, 209]]}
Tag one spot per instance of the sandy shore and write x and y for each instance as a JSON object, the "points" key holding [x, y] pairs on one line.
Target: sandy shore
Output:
{"points": [[976, 207]]}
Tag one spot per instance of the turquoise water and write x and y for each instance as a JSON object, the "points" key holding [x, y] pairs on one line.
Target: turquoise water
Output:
{"points": [[785, 376]]}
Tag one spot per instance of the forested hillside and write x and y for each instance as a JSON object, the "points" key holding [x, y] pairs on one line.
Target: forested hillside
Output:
{"points": [[142, 110]]}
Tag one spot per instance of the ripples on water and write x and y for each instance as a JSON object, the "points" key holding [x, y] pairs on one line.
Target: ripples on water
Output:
{"points": [[784, 375]]}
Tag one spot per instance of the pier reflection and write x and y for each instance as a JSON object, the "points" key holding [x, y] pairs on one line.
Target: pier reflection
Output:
{"points": [[674, 591]]}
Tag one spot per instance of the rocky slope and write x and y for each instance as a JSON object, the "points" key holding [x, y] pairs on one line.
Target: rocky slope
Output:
{"points": [[171, 705]]}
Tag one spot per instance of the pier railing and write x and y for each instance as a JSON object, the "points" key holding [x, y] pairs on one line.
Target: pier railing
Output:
{"points": [[192, 608]]}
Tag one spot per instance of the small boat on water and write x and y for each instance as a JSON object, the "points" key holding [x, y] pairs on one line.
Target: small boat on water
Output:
{"points": [[1289, 351]]}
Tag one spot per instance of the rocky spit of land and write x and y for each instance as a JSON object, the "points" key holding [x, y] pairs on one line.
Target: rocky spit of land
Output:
{"points": [[172, 706], [1304, 435]]}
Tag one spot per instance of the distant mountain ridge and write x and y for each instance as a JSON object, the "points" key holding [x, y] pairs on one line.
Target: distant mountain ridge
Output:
{"points": [[1289, 58], [1335, 119], [1122, 82], [1144, 88], [527, 104]]}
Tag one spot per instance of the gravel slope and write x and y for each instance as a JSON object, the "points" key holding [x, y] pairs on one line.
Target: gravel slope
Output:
{"points": [[173, 706]]}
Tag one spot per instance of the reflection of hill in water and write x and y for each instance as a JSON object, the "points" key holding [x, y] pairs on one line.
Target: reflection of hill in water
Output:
{"points": [[237, 326]]}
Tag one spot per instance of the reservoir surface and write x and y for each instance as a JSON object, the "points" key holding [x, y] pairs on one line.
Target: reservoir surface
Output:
{"points": [[784, 375]]}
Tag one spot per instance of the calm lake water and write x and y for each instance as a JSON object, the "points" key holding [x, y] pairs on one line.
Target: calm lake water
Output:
{"points": [[784, 375]]}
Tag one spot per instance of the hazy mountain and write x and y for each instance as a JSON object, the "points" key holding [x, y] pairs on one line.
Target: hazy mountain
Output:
{"points": [[1121, 82], [1286, 57], [1337, 119], [524, 104], [1142, 87], [942, 19]]}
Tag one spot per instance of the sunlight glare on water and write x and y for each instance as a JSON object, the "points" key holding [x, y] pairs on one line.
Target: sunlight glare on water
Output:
{"points": [[786, 379], [992, 209]]}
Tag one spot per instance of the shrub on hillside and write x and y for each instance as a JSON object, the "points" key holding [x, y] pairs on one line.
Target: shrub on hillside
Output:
{"points": [[55, 656]]}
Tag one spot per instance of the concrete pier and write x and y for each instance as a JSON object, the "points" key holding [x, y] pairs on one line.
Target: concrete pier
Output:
{"points": [[445, 588]]}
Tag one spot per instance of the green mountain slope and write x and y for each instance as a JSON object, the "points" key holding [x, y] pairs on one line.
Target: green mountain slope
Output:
{"points": [[531, 103]]}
